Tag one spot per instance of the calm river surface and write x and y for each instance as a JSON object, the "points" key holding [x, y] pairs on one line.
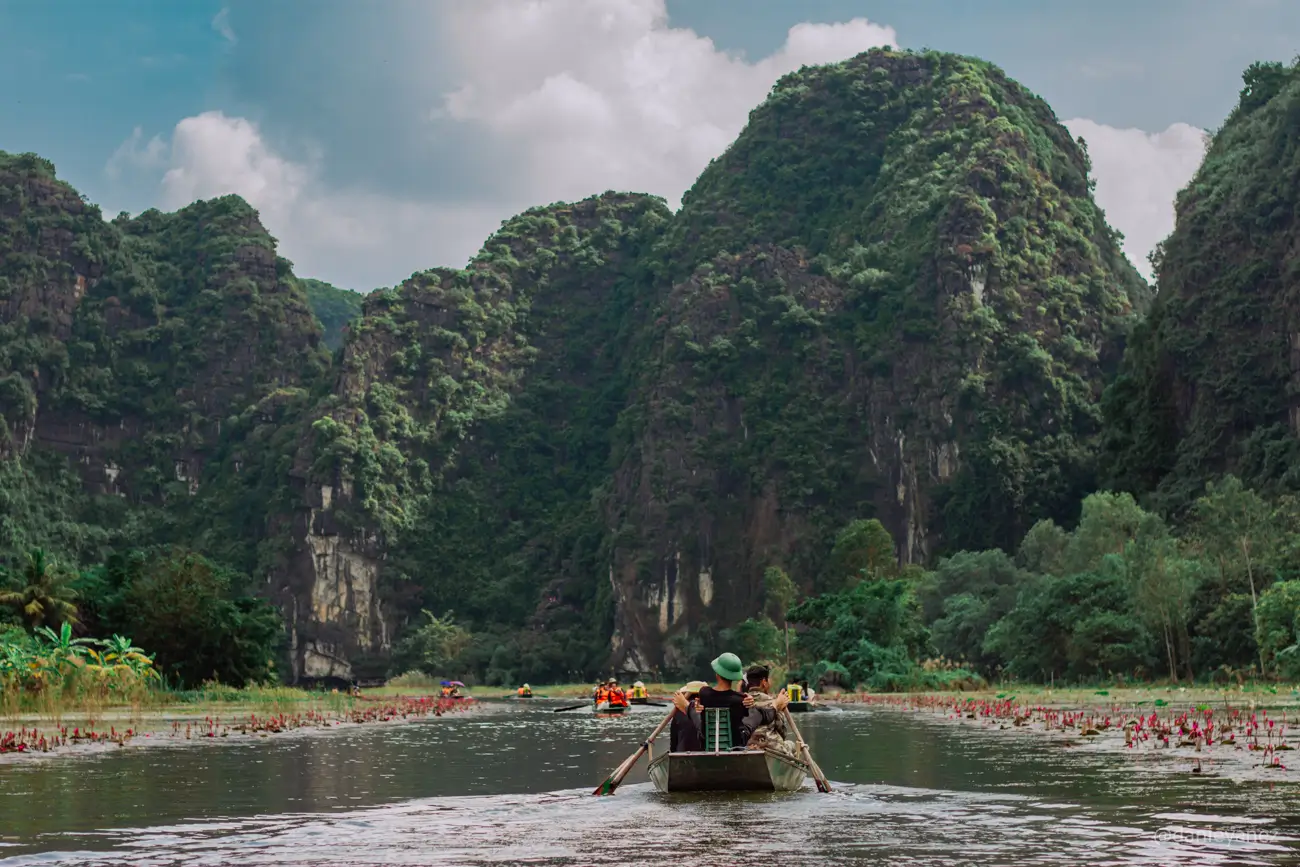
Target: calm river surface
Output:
{"points": [[511, 785]]}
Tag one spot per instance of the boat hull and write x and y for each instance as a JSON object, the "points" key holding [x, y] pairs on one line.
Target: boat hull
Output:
{"points": [[639, 700], [799, 707], [736, 771], [605, 707]]}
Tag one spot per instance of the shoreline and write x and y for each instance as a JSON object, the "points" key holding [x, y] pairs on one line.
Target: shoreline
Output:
{"points": [[31, 738], [1250, 742]]}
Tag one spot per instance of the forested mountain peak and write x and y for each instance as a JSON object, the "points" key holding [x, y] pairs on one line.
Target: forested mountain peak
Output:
{"points": [[892, 296]]}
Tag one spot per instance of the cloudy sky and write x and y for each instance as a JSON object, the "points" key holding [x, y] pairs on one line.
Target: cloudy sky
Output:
{"points": [[380, 138]]}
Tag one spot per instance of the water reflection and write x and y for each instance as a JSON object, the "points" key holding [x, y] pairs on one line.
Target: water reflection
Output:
{"points": [[511, 785]]}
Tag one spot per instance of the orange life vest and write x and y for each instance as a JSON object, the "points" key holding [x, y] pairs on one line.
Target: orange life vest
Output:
{"points": [[617, 698]]}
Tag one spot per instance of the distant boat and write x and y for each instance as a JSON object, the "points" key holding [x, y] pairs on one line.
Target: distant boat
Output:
{"points": [[605, 707], [800, 706]]}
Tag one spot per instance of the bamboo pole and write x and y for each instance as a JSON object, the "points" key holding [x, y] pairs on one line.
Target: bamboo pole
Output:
{"points": [[822, 784], [613, 780]]}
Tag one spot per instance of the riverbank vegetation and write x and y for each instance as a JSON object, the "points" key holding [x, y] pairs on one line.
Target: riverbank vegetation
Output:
{"points": [[144, 628], [221, 722], [1126, 596]]}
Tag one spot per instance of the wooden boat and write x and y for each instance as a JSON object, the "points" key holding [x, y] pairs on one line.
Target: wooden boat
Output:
{"points": [[638, 699], [799, 706], [605, 707], [733, 771]]}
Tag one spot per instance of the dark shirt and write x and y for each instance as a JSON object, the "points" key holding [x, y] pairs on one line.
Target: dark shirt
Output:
{"points": [[734, 702]]}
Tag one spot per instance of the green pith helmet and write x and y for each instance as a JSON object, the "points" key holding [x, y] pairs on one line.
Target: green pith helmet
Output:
{"points": [[727, 666]]}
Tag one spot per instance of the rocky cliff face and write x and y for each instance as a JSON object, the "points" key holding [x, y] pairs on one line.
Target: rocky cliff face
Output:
{"points": [[53, 250], [467, 425], [156, 356], [129, 343], [893, 296], [1211, 382]]}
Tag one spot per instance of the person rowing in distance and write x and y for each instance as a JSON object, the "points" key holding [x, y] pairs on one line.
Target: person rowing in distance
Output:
{"points": [[615, 694]]}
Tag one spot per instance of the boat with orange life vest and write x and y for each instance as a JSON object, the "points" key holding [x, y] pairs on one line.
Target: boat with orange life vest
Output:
{"points": [[610, 699]]}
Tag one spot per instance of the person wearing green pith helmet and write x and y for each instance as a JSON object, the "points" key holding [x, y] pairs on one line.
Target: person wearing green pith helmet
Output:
{"points": [[723, 694]]}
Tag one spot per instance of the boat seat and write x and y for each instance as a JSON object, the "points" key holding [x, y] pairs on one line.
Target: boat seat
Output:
{"points": [[717, 731]]}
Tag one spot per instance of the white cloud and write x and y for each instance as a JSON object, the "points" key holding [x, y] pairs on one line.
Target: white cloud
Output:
{"points": [[580, 96], [136, 155], [589, 95], [1138, 175], [221, 24], [596, 96], [352, 237], [212, 155]]}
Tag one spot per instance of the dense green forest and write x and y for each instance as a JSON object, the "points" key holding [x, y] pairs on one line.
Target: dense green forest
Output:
{"points": [[884, 385], [335, 309], [1123, 595]]}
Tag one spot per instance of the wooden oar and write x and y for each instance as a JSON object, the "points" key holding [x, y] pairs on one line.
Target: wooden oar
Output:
{"points": [[818, 776], [612, 781]]}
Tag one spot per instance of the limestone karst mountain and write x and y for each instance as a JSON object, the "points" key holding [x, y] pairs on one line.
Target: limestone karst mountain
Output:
{"points": [[893, 296]]}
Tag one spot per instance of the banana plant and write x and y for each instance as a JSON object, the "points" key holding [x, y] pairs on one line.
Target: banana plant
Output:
{"points": [[63, 647], [34, 665], [120, 654], [13, 661]]}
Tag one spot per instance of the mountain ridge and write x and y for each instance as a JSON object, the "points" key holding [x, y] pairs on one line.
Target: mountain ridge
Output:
{"points": [[592, 441]]}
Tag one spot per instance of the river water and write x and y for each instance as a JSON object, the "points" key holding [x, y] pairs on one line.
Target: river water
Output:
{"points": [[510, 784]]}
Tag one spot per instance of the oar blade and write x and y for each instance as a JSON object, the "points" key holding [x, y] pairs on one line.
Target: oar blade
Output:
{"points": [[612, 781], [570, 707]]}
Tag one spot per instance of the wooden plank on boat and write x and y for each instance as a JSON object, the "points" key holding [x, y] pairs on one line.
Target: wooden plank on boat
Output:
{"points": [[734, 771]]}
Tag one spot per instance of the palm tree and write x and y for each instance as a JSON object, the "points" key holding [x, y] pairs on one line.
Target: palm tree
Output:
{"points": [[45, 595]]}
